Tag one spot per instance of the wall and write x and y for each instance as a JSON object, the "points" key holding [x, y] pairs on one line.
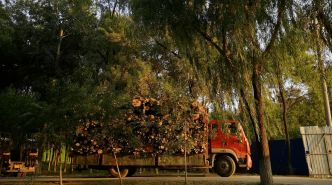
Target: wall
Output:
{"points": [[279, 157]]}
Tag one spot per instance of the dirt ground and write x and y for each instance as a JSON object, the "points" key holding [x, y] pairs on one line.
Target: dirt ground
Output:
{"points": [[131, 182]]}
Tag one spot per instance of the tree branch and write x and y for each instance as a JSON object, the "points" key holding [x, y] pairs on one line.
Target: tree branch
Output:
{"points": [[323, 19], [163, 46], [277, 28], [326, 41], [297, 100], [243, 96], [116, 2], [221, 51], [102, 56]]}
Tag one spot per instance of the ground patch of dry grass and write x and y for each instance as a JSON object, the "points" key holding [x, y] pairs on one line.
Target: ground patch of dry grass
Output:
{"points": [[134, 182]]}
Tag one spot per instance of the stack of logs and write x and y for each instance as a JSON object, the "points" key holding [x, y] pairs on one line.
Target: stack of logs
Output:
{"points": [[160, 126]]}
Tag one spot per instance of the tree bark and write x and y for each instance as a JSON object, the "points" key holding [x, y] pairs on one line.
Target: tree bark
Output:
{"points": [[47, 153], [290, 167], [322, 76], [65, 163], [40, 160], [21, 150], [58, 49], [71, 165], [60, 149], [262, 145], [53, 154], [49, 161], [250, 114], [117, 166], [55, 160]]}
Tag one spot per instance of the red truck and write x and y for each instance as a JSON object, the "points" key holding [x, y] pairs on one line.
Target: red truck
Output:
{"points": [[228, 149]]}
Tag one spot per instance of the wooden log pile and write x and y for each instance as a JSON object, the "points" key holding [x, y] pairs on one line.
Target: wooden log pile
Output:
{"points": [[159, 126]]}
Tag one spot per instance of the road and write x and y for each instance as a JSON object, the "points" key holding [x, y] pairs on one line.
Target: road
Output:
{"points": [[234, 178]]}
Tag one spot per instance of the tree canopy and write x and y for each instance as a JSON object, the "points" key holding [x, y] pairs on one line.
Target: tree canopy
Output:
{"points": [[255, 61]]}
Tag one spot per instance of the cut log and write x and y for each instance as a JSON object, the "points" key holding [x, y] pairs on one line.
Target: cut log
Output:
{"points": [[156, 124], [136, 102]]}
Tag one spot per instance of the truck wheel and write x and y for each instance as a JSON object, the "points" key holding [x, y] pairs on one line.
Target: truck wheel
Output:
{"points": [[224, 166], [114, 172], [132, 171]]}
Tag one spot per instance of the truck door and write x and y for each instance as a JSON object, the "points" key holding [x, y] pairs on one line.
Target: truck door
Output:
{"points": [[215, 138], [234, 139]]}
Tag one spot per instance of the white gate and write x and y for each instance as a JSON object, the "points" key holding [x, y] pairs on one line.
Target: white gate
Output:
{"points": [[317, 143]]}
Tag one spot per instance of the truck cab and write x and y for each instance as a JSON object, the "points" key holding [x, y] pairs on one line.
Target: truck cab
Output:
{"points": [[229, 147], [18, 168]]}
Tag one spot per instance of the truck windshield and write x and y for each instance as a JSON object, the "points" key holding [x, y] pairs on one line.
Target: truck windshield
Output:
{"points": [[233, 130], [214, 127]]}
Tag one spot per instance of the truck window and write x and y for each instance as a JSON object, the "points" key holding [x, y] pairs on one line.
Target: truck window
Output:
{"points": [[233, 131], [214, 131], [214, 127]]}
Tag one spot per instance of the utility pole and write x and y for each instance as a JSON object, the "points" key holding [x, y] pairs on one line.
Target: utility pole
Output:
{"points": [[322, 76]]}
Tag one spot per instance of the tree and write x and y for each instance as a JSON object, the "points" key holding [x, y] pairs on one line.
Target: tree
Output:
{"points": [[227, 31], [288, 64], [21, 114]]}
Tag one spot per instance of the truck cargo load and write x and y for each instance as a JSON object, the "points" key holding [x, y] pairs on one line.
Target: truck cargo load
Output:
{"points": [[163, 131]]}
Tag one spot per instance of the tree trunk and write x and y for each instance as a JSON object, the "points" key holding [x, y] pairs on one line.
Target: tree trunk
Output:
{"points": [[47, 153], [21, 151], [58, 49], [117, 166], [60, 149], [250, 114], [53, 155], [55, 160], [185, 153], [49, 161], [322, 76], [290, 167], [59, 161], [65, 163], [40, 160], [262, 145], [71, 165]]}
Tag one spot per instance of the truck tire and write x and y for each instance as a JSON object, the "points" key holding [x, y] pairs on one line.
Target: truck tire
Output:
{"points": [[114, 172], [224, 166], [132, 171]]}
